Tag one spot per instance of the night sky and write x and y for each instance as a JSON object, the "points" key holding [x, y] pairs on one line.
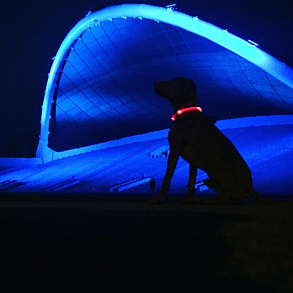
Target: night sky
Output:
{"points": [[32, 31]]}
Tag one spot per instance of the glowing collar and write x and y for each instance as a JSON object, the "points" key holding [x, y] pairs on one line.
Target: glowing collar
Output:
{"points": [[183, 110]]}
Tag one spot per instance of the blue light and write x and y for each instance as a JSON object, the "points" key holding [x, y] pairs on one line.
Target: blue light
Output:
{"points": [[246, 50]]}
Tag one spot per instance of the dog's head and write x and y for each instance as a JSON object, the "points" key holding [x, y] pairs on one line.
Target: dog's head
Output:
{"points": [[180, 91]]}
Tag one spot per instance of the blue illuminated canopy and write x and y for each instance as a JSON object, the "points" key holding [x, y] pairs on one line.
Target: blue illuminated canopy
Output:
{"points": [[100, 87]]}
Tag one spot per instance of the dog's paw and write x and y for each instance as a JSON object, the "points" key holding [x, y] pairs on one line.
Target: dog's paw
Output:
{"points": [[159, 199]]}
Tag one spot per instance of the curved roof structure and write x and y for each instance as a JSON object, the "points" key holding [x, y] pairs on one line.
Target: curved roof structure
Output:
{"points": [[100, 87]]}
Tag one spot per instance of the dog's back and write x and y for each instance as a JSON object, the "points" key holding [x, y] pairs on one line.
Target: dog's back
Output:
{"points": [[210, 150]]}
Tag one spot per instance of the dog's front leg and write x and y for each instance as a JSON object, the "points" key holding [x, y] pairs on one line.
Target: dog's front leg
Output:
{"points": [[188, 198], [172, 162]]}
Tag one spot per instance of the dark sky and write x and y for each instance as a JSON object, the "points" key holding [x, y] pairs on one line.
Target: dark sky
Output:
{"points": [[32, 31]]}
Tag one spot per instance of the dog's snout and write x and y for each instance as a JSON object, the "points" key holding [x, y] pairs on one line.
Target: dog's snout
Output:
{"points": [[158, 87], [158, 84]]}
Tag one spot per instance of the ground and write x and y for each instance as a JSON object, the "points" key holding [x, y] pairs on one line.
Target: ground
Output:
{"points": [[91, 245]]}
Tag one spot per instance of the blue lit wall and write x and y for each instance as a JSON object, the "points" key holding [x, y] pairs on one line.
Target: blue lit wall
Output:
{"points": [[101, 81]]}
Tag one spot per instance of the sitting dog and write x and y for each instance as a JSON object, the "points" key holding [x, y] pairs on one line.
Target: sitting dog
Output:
{"points": [[198, 141]]}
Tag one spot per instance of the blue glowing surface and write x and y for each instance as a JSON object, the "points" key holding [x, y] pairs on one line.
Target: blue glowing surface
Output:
{"points": [[109, 65], [266, 149]]}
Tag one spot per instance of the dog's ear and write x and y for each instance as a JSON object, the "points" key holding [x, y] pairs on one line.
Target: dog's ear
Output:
{"points": [[188, 91]]}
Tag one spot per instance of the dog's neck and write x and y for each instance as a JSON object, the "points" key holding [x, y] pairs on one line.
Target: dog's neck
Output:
{"points": [[190, 103]]}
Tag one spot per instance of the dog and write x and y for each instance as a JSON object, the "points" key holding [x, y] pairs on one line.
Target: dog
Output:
{"points": [[195, 138]]}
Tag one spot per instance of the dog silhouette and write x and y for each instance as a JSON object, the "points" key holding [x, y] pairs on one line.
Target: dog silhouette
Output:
{"points": [[198, 141]]}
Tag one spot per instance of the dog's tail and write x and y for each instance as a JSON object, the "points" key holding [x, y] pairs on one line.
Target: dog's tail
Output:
{"points": [[260, 197]]}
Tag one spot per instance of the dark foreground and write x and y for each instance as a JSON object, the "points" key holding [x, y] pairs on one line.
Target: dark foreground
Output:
{"points": [[91, 246]]}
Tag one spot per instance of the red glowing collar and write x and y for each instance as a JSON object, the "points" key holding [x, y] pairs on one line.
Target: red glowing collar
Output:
{"points": [[183, 110]]}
